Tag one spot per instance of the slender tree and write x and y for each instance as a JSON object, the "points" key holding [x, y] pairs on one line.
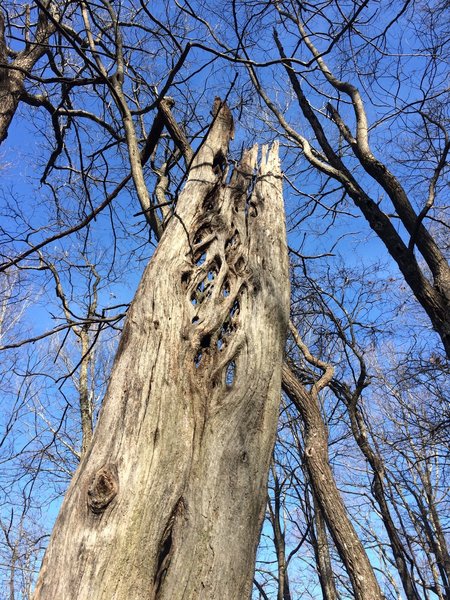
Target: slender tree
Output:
{"points": [[16, 66]]}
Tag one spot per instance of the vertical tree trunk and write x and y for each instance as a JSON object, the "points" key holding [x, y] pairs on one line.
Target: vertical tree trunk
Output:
{"points": [[375, 461], [168, 501], [84, 392], [284, 592], [348, 544], [323, 559]]}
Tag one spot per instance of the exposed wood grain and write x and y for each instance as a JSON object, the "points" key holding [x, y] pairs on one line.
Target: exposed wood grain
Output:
{"points": [[179, 460]]}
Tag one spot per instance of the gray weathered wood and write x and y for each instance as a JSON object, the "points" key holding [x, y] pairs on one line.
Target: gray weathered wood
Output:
{"points": [[168, 501]]}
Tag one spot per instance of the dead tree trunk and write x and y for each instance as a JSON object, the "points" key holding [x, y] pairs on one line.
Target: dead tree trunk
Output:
{"points": [[168, 501]]}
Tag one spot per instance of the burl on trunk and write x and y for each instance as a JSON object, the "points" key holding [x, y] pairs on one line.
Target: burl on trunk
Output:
{"points": [[168, 501]]}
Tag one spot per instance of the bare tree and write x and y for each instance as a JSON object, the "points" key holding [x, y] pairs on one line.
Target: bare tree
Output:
{"points": [[349, 546], [416, 483], [299, 530], [116, 95], [323, 53]]}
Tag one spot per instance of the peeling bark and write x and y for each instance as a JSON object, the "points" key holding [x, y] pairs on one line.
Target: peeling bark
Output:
{"points": [[168, 501]]}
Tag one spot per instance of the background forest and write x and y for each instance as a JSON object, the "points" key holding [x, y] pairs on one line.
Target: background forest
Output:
{"points": [[103, 106]]}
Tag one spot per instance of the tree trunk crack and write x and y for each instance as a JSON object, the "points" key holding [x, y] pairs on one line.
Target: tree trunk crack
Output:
{"points": [[166, 546]]}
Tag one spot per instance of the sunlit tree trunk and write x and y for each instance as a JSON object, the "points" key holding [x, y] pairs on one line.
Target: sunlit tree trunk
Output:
{"points": [[169, 499], [348, 544], [84, 391]]}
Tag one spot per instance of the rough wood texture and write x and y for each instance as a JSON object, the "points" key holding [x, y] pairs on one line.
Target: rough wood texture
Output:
{"points": [[168, 502]]}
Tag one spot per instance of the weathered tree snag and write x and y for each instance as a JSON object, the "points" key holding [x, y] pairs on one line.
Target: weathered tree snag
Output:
{"points": [[168, 501]]}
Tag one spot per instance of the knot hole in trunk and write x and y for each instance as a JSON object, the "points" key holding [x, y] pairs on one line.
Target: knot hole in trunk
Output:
{"points": [[103, 489]]}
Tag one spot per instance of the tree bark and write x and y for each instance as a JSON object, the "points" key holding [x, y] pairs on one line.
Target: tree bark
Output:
{"points": [[13, 75], [348, 544], [323, 559], [86, 407], [169, 500], [11, 85]]}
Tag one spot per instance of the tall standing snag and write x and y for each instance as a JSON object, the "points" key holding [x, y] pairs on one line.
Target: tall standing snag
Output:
{"points": [[169, 500]]}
